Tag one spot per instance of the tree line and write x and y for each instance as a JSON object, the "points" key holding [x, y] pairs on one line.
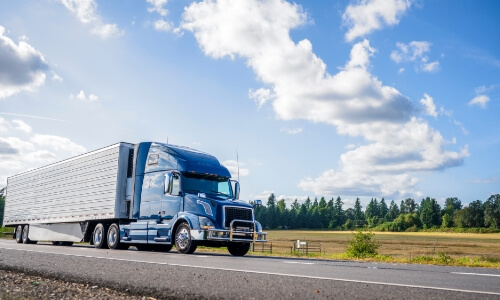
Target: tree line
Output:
{"points": [[409, 215]]}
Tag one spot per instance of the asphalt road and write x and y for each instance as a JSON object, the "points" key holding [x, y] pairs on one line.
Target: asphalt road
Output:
{"points": [[206, 275]]}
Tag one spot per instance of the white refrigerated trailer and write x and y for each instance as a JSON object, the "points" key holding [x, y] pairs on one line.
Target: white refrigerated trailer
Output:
{"points": [[57, 200]]}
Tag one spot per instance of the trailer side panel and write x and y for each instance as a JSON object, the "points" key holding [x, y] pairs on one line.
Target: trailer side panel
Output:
{"points": [[86, 187]]}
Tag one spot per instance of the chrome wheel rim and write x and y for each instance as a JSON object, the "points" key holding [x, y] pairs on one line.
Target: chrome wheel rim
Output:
{"points": [[182, 238], [112, 236], [97, 236], [19, 233]]}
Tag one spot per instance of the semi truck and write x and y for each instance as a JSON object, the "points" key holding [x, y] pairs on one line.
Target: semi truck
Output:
{"points": [[149, 195]]}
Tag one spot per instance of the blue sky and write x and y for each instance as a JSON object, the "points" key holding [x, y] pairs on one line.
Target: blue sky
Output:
{"points": [[364, 99]]}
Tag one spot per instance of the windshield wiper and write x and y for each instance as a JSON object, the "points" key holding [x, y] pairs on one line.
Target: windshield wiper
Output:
{"points": [[192, 191], [220, 193]]}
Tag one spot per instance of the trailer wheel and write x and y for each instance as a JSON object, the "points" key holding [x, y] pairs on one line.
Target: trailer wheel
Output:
{"points": [[183, 241], [238, 249], [25, 238], [99, 236], [114, 238], [19, 234]]}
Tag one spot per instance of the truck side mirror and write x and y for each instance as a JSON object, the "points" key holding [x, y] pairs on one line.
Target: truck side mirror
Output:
{"points": [[236, 189], [168, 183]]}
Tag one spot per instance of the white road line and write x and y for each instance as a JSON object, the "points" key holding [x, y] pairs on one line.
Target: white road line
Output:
{"points": [[298, 262], [266, 273], [476, 274]]}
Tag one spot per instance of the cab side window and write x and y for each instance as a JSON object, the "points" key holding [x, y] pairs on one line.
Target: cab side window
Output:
{"points": [[176, 187]]}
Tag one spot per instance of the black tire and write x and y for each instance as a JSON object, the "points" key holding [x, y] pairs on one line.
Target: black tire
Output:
{"points": [[238, 249], [67, 244], [25, 237], [113, 238], [183, 241], [19, 234], [99, 236]]}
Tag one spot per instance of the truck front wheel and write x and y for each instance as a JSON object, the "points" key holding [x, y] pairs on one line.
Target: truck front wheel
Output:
{"points": [[238, 249], [100, 236], [183, 241]]}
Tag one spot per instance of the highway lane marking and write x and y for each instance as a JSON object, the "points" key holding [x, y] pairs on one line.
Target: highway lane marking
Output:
{"points": [[476, 274], [265, 273], [298, 262]]}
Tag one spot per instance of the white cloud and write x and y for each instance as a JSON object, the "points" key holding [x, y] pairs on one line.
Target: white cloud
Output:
{"points": [[56, 77], [82, 97], [416, 52], [292, 130], [368, 15], [57, 143], [232, 166], [484, 89], [19, 155], [430, 107], [21, 125], [431, 67], [480, 100], [86, 12], [162, 25], [22, 67], [461, 126], [260, 96], [158, 6], [398, 145]]}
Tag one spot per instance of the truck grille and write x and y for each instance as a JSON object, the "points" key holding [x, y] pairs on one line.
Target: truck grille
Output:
{"points": [[237, 213]]}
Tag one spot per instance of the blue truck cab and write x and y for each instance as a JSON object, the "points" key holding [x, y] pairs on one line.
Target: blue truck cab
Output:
{"points": [[183, 197]]}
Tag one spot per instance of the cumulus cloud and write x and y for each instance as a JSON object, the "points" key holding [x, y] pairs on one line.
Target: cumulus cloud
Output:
{"points": [[58, 143], [398, 145], [162, 25], [21, 125], [260, 96], [480, 100], [369, 15], [430, 107], [82, 97], [232, 166], [19, 155], [22, 66], [86, 12], [415, 51], [158, 6]]}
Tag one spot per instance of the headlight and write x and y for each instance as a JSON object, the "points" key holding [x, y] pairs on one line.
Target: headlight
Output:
{"points": [[205, 223]]}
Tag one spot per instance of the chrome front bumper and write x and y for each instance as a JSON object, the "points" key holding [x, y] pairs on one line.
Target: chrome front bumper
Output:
{"points": [[237, 233]]}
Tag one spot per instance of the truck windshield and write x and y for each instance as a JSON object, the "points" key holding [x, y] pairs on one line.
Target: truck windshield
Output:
{"points": [[218, 187]]}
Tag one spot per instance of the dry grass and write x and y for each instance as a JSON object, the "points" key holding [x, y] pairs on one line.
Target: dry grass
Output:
{"points": [[467, 249]]}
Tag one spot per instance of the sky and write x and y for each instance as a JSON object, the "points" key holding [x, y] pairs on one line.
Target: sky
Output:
{"points": [[371, 99]]}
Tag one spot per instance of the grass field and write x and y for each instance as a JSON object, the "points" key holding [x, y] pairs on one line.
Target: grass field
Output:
{"points": [[396, 244], [464, 249]]}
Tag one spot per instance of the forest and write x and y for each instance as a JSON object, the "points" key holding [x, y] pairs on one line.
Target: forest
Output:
{"points": [[409, 215]]}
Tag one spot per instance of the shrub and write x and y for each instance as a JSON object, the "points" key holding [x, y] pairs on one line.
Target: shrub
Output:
{"points": [[362, 245]]}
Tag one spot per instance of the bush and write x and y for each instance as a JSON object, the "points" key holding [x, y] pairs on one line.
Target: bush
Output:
{"points": [[362, 245]]}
